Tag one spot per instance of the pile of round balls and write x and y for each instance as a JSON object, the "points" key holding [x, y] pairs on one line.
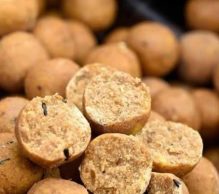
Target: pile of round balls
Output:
{"points": [[79, 117]]}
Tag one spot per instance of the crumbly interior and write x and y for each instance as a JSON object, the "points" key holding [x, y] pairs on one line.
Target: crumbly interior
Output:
{"points": [[115, 164], [116, 97], [52, 130], [164, 183], [76, 86], [172, 144]]}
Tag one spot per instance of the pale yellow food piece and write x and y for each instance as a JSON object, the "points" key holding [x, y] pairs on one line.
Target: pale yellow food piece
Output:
{"points": [[77, 84], [50, 132], [49, 77], [115, 164], [56, 38], [97, 14], [83, 38], [59, 186], [117, 56], [199, 56], [203, 179], [117, 102], [166, 183], [17, 174], [10, 108], [156, 46], [175, 148], [17, 15], [19, 51], [177, 104]]}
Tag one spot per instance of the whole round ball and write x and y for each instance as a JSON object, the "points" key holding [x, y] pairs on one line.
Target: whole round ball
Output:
{"points": [[55, 35], [203, 14], [207, 103], [199, 56], [176, 104], [17, 15], [18, 52], [59, 186], [156, 46], [83, 38], [97, 14], [203, 179], [49, 77], [117, 56], [10, 108], [118, 35], [17, 173]]}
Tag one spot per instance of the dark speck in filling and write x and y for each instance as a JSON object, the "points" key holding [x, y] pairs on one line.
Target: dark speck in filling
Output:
{"points": [[176, 183], [4, 160], [66, 153], [44, 109]]}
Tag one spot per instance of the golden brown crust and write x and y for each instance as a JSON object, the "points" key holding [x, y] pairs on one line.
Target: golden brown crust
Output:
{"points": [[17, 15], [76, 86], [116, 55], [17, 174], [156, 46], [16, 58], [165, 183], [207, 103], [49, 77], [155, 85], [10, 108], [97, 14], [199, 56], [175, 147], [50, 132], [118, 35], [203, 179], [117, 102], [83, 38], [116, 163], [59, 186], [177, 104], [57, 39], [203, 15]]}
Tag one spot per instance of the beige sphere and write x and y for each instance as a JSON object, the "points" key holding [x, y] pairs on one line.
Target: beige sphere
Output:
{"points": [[55, 35], [83, 38], [18, 52], [118, 35], [207, 103], [17, 15], [17, 174], [10, 108], [203, 14], [97, 14], [199, 56], [59, 186], [49, 77], [176, 104], [156, 46], [117, 56], [203, 179]]}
